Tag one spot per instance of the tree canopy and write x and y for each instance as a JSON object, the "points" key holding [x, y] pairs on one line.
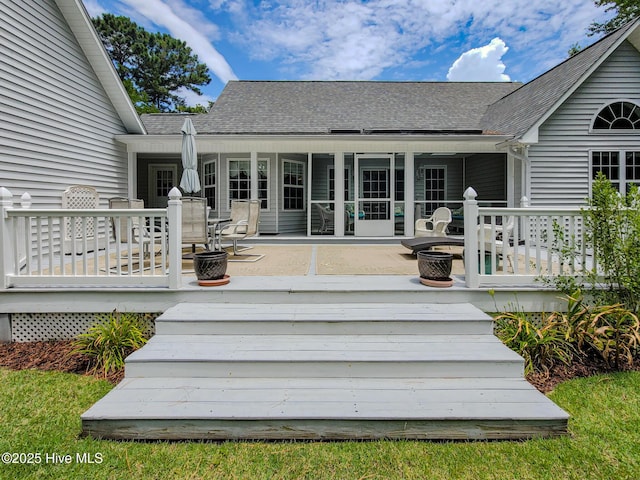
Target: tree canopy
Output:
{"points": [[625, 10], [152, 66]]}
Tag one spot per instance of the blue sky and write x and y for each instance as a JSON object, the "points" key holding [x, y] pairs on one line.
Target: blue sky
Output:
{"points": [[394, 40]]}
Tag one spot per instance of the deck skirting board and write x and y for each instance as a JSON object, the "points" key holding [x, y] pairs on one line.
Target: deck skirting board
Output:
{"points": [[324, 430]]}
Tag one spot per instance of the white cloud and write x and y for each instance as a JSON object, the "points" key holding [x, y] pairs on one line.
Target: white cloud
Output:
{"points": [[162, 14], [93, 8], [192, 99], [483, 64], [352, 39]]}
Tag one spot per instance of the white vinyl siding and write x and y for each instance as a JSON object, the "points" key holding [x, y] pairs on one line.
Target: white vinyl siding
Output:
{"points": [[560, 162], [57, 124]]}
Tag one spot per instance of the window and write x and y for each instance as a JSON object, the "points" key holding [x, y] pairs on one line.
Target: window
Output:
{"points": [[292, 185], [618, 116], [263, 183], [240, 181], [620, 167], [376, 184], [209, 180], [434, 188]]}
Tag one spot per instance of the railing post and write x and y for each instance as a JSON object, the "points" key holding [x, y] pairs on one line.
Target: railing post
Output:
{"points": [[174, 214], [7, 248], [471, 275], [525, 227]]}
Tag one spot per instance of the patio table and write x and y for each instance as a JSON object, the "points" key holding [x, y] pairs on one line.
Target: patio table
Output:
{"points": [[425, 243]]}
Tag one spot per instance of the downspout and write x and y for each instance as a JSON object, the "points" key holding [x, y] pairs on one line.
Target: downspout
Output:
{"points": [[526, 166]]}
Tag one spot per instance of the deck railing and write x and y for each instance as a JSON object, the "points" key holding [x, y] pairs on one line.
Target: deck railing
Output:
{"points": [[123, 247], [518, 246]]}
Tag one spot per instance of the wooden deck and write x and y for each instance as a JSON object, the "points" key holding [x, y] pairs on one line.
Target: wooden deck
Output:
{"points": [[324, 372]]}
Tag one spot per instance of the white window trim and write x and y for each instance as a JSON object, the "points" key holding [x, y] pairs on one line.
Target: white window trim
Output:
{"points": [[602, 131], [216, 185], [424, 181], [228, 179], [622, 167], [304, 186]]}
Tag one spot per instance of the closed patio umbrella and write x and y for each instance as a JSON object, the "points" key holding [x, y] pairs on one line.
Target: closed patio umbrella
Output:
{"points": [[190, 182]]}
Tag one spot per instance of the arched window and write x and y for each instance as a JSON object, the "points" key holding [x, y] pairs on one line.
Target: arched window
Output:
{"points": [[618, 116]]}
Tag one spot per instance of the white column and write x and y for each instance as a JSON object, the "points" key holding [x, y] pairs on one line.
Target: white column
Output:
{"points": [[409, 194], [254, 175], [309, 191], [132, 166], [511, 178], [338, 208]]}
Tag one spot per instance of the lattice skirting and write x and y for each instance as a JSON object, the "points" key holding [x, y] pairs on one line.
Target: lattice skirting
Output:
{"points": [[36, 327]]}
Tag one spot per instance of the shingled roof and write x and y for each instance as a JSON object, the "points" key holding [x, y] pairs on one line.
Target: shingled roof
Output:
{"points": [[310, 107], [519, 111], [330, 107]]}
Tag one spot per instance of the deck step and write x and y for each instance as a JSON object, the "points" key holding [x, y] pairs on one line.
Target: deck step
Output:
{"points": [[321, 408], [324, 355], [341, 318], [330, 371]]}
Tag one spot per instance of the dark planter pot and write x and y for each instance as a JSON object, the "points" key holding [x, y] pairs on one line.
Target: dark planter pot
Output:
{"points": [[210, 265], [435, 265]]}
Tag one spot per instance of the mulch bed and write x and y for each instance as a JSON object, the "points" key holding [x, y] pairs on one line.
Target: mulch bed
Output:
{"points": [[59, 356], [53, 355]]}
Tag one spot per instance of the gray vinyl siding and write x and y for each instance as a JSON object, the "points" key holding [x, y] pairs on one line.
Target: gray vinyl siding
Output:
{"points": [[486, 173], [454, 179], [560, 161], [57, 124]]}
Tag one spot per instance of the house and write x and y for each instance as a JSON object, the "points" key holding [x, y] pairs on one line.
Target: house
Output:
{"points": [[403, 149], [376, 154], [62, 104]]}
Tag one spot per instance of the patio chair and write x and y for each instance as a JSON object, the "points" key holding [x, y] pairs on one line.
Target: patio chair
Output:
{"points": [[122, 234], [141, 234], [76, 229], [195, 229], [245, 216], [326, 219], [500, 236], [434, 226]]}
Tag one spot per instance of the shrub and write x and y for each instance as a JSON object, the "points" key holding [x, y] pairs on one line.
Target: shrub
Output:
{"points": [[611, 233], [613, 332], [111, 339], [612, 227], [542, 347]]}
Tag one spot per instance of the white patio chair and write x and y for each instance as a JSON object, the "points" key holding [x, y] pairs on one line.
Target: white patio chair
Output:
{"points": [[499, 235], [245, 216], [434, 226], [326, 219], [76, 230]]}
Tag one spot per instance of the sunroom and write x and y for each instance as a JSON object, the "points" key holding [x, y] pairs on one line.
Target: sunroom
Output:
{"points": [[383, 194]]}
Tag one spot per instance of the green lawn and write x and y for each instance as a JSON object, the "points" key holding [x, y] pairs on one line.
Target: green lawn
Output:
{"points": [[40, 414]]}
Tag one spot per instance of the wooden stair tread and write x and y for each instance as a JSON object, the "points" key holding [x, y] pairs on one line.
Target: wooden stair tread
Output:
{"points": [[329, 348], [259, 399], [332, 312]]}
